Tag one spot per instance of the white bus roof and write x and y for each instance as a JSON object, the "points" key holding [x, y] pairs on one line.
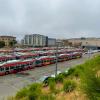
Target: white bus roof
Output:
{"points": [[13, 61]]}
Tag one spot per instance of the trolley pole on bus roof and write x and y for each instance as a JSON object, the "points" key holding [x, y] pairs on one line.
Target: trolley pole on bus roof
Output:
{"points": [[56, 60]]}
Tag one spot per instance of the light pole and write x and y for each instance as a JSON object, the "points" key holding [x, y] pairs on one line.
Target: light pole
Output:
{"points": [[56, 59], [88, 47], [96, 46], [89, 51]]}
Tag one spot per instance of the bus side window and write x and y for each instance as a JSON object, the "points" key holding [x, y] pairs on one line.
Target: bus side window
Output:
{"points": [[7, 68], [14, 67], [22, 66], [19, 66], [11, 68], [1, 69], [27, 64]]}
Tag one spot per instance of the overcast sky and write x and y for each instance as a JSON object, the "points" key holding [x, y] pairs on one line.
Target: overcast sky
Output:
{"points": [[54, 18]]}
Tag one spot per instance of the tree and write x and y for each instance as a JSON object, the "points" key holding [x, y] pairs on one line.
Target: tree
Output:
{"points": [[70, 44], [66, 42], [12, 43], [2, 44]]}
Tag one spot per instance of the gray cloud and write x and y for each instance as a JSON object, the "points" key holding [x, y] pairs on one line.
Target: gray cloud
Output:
{"points": [[55, 18]]}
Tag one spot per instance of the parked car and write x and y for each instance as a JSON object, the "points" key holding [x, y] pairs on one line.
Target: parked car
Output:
{"points": [[43, 79]]}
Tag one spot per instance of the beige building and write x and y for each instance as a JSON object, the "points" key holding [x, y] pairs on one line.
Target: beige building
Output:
{"points": [[86, 42], [59, 42], [7, 39]]}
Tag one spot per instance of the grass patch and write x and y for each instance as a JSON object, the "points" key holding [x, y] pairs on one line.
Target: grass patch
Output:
{"points": [[47, 97], [69, 86], [22, 93], [59, 78], [52, 85]]}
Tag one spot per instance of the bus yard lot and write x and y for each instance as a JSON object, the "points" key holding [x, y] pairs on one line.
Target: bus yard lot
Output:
{"points": [[10, 84]]}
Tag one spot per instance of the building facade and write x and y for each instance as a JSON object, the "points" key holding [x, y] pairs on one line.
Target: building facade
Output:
{"points": [[51, 42], [59, 42], [93, 43], [7, 39], [37, 40], [34, 40]]}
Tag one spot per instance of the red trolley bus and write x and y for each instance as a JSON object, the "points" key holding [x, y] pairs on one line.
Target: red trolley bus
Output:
{"points": [[16, 66], [46, 60], [6, 58]]}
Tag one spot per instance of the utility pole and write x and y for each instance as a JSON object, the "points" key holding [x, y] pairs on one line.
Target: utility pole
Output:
{"points": [[56, 59], [89, 52], [96, 46]]}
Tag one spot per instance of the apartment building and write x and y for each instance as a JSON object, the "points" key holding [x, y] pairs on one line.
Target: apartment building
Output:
{"points": [[34, 40], [37, 40]]}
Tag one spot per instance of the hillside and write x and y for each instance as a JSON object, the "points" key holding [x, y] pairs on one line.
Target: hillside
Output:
{"points": [[80, 83]]}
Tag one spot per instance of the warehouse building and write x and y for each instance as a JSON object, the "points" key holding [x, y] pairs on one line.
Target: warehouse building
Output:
{"points": [[92, 43]]}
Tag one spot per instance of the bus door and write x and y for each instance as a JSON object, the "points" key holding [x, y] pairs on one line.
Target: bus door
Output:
{"points": [[2, 72], [31, 64], [26, 66], [52, 60], [44, 61], [7, 70], [64, 57], [18, 68], [47, 61], [22, 66], [59, 58], [38, 63], [12, 69]]}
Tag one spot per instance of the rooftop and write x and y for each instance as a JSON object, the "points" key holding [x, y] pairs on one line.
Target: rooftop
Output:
{"points": [[3, 36]]}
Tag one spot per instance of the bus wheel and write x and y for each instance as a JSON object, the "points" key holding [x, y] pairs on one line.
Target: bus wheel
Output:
{"points": [[6, 73]]}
